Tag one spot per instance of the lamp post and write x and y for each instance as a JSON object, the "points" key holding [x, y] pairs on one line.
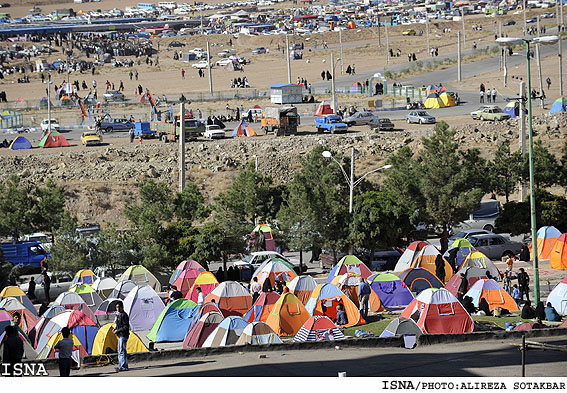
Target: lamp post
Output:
{"points": [[510, 41], [333, 97]]}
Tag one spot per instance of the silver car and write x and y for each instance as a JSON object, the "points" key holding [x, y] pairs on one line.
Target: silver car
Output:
{"points": [[495, 246], [421, 117], [359, 119], [113, 95]]}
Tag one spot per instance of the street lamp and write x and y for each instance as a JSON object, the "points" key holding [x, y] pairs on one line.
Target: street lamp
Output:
{"points": [[510, 41]]}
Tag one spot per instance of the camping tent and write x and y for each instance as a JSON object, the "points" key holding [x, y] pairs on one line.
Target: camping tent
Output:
{"points": [[185, 265], [319, 328], [433, 101], [205, 308], [418, 279], [356, 88], [438, 311], [287, 316], [349, 264], [80, 325], [478, 259], [12, 305], [186, 279], [447, 99], [40, 323], [226, 333], [122, 289], [262, 307], [400, 327], [231, 297], [558, 297], [106, 342], [391, 290], [494, 294], [560, 105], [174, 321], [5, 319], [139, 275], [513, 109], [197, 335], [48, 350], [20, 143], [302, 286], [324, 108], [43, 103], [104, 286], [325, 299], [84, 276], [73, 301], [53, 139], [558, 254], [348, 284], [143, 306], [409, 255], [461, 248], [206, 281], [472, 275], [274, 270], [106, 310], [243, 129], [258, 333], [546, 238], [88, 294], [14, 291], [426, 259], [265, 231]]}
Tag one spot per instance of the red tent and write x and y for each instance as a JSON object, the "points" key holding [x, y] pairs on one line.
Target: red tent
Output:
{"points": [[53, 139], [324, 108]]}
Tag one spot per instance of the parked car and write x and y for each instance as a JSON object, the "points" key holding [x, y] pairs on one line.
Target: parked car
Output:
{"points": [[494, 114], [175, 44], [113, 95], [331, 123], [60, 282], [54, 125], [214, 131], [482, 218], [474, 114], [495, 246], [255, 259], [381, 124], [466, 233], [91, 138], [295, 46], [259, 51], [201, 64], [531, 20], [359, 119], [547, 15], [421, 117], [223, 62], [409, 32], [26, 253], [509, 23], [115, 124]]}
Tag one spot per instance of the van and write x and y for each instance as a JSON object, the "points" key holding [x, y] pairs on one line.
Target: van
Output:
{"points": [[482, 218], [25, 253]]}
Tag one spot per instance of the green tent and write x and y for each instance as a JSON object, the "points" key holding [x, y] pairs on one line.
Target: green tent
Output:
{"points": [[88, 294]]}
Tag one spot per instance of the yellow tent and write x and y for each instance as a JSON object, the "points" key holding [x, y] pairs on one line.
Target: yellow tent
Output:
{"points": [[447, 99], [433, 102], [106, 341]]}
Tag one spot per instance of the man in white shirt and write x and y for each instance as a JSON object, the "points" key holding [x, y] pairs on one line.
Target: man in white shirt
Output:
{"points": [[255, 288], [200, 296]]}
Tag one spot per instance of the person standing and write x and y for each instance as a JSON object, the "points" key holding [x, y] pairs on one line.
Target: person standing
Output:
{"points": [[131, 135], [182, 73], [363, 296], [516, 294], [548, 81], [200, 296], [46, 282], [31, 289], [494, 94], [13, 349], [463, 287], [122, 331], [440, 268], [481, 97], [488, 95], [524, 283], [65, 349], [255, 288]]}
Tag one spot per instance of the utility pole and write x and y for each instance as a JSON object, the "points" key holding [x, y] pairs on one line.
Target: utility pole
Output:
{"points": [[523, 132], [538, 59], [49, 102], [333, 103], [181, 147], [288, 60], [341, 45], [560, 55], [427, 34], [557, 16], [505, 62], [525, 22], [537, 24], [561, 10], [379, 39], [464, 34], [210, 71], [459, 76], [387, 44]]}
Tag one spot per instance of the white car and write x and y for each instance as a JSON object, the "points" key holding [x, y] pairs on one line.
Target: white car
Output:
{"points": [[257, 258], [214, 131], [223, 62], [201, 65], [54, 125]]}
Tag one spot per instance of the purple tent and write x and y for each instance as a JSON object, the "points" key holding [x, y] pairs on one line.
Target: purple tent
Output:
{"points": [[391, 290]]}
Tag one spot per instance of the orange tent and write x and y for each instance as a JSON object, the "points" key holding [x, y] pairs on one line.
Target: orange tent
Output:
{"points": [[494, 294], [262, 307], [546, 238], [348, 283], [231, 297], [558, 255], [324, 301], [287, 316], [243, 129]]}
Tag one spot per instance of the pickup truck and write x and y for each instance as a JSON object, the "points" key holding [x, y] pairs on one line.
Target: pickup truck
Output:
{"points": [[332, 123], [54, 125], [115, 124], [25, 254], [168, 131]]}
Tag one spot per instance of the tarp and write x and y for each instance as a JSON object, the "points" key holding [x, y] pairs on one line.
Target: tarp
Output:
{"points": [[20, 143], [494, 294], [232, 298], [106, 342], [558, 297], [288, 315], [560, 105], [349, 264], [558, 254], [391, 290], [438, 311], [319, 328], [197, 335], [418, 279], [258, 333], [143, 306], [53, 139], [139, 275], [324, 301], [302, 287], [243, 129], [174, 321]]}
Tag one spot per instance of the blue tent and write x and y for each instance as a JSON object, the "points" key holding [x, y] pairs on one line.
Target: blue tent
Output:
{"points": [[174, 321], [86, 335], [513, 109], [560, 105], [20, 143]]}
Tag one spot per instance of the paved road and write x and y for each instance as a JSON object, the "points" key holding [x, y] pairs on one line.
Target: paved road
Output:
{"points": [[477, 359]]}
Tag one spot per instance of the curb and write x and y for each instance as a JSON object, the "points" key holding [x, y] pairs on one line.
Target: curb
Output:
{"points": [[372, 342]]}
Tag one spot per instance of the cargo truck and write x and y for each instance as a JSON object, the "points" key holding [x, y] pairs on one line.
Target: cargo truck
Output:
{"points": [[281, 120], [168, 131]]}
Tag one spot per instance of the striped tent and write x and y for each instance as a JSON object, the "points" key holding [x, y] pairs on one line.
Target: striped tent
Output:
{"points": [[406, 260], [262, 307], [226, 333], [302, 287], [206, 281], [418, 279], [197, 335], [349, 264], [258, 333], [478, 259], [494, 294], [232, 298], [319, 328]]}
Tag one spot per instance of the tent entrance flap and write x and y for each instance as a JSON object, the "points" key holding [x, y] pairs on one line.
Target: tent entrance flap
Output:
{"points": [[446, 309]]}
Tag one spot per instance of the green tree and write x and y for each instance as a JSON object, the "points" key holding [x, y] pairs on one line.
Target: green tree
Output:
{"points": [[69, 252], [545, 167], [563, 167], [49, 209], [16, 208], [448, 189], [210, 244], [379, 220], [505, 171]]}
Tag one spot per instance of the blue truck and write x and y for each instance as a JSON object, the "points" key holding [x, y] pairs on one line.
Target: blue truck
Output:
{"points": [[25, 253], [143, 129], [331, 123], [115, 124]]}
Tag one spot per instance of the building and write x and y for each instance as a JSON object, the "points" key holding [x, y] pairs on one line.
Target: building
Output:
{"points": [[286, 93]]}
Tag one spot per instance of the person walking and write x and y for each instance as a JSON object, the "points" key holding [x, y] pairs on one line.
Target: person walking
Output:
{"points": [[548, 81], [65, 349], [524, 283], [182, 73], [363, 296], [481, 97], [46, 283], [122, 331], [13, 350]]}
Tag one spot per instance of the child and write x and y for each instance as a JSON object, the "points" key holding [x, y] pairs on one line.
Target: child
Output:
{"points": [[516, 294]]}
